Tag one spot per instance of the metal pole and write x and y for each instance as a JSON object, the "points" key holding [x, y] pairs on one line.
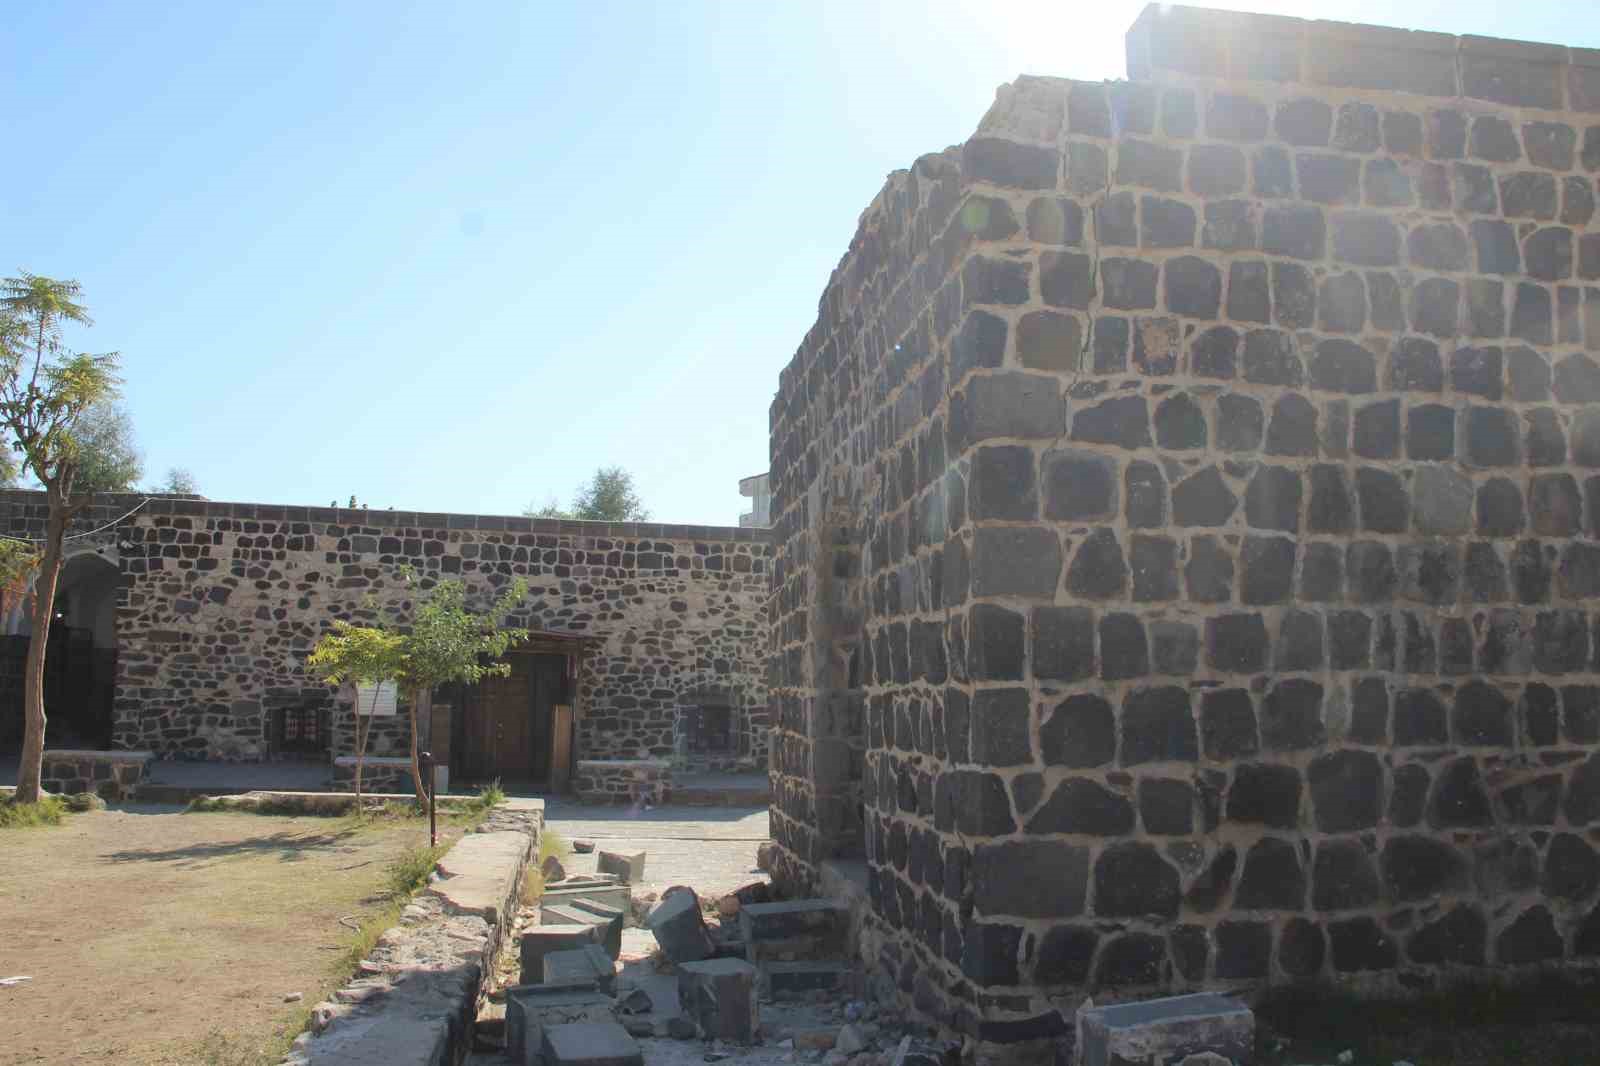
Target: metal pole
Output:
{"points": [[428, 783]]}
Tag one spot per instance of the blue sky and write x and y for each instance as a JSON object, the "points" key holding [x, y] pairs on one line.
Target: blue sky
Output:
{"points": [[455, 256]]}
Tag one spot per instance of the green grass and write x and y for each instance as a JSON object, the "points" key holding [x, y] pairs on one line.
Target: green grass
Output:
{"points": [[552, 843], [51, 810], [1551, 1020]]}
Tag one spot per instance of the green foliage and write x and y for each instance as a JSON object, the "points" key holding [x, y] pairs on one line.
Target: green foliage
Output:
{"points": [[490, 795], [410, 869], [108, 459], [366, 655], [552, 843], [179, 482], [50, 810], [448, 643], [18, 559], [609, 496]]}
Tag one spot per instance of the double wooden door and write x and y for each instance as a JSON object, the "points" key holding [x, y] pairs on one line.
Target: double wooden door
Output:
{"points": [[517, 731]]}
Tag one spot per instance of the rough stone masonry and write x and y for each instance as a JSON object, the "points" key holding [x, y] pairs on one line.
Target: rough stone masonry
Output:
{"points": [[1188, 530]]}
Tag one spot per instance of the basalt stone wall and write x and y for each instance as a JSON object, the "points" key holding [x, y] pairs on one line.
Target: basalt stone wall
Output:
{"points": [[221, 602], [1232, 527]]}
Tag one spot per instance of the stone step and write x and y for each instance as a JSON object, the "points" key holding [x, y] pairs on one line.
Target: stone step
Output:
{"points": [[795, 929], [783, 979], [607, 921], [590, 1044], [530, 1008], [607, 891], [540, 940]]}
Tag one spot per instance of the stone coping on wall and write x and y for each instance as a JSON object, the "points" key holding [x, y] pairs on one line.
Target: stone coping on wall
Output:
{"points": [[624, 764], [119, 503], [68, 754], [414, 1001], [369, 761], [1171, 40]]}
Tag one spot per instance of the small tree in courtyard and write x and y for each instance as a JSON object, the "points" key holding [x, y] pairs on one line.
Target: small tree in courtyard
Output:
{"points": [[447, 643], [362, 655], [44, 392]]}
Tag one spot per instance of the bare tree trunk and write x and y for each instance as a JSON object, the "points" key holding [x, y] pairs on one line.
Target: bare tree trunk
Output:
{"points": [[361, 738], [30, 774]]}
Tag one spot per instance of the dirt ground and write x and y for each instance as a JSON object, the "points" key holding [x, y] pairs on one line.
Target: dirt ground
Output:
{"points": [[146, 930]]}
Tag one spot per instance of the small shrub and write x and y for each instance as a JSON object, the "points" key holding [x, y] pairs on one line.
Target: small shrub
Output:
{"points": [[552, 843], [410, 869], [491, 795], [48, 811]]}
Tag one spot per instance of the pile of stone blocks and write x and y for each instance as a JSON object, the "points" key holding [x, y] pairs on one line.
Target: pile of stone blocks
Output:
{"points": [[798, 946], [1204, 1029]]}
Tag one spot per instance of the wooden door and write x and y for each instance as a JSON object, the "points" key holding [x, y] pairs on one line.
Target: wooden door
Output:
{"points": [[507, 718]]}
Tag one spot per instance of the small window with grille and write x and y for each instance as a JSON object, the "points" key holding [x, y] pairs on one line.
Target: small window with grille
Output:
{"points": [[711, 729], [300, 730]]}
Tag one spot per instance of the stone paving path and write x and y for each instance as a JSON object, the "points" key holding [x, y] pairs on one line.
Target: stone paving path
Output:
{"points": [[712, 849]]}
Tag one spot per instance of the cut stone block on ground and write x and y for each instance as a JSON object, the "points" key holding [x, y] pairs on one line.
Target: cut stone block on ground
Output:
{"points": [[719, 996], [590, 1044]]}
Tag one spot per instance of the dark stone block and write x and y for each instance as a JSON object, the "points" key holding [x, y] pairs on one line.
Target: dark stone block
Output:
{"points": [[1495, 140], [1249, 295], [1051, 220], [1486, 307], [1548, 254], [1179, 118], [1079, 485], [1431, 572], [1369, 711], [1079, 734], [1120, 420], [981, 343], [1384, 504], [1342, 303], [1417, 868], [1158, 726], [1343, 366], [1193, 287], [1213, 883], [1419, 718], [1498, 252], [1291, 716], [1209, 572], [1130, 959], [1528, 194], [1435, 307], [1455, 647], [1459, 800], [1377, 430], [1477, 371], [1098, 570], [1066, 279], [1538, 708], [1230, 227], [1408, 795], [1439, 246], [1239, 422], [1301, 948], [1002, 162], [1203, 499], [1216, 170], [989, 953], [1244, 949], [1131, 880], [1191, 949], [1065, 954], [1273, 878], [1531, 938], [1415, 366], [1272, 500], [1063, 643], [1000, 722], [996, 281], [1371, 571], [1571, 869], [1580, 571], [996, 642], [1386, 301], [1499, 508], [1560, 642], [1130, 284], [1329, 179], [1146, 492], [1110, 344], [1299, 642], [1386, 184], [1228, 725], [1343, 877], [1460, 937], [1180, 423], [1080, 805], [1293, 300], [1552, 145], [1547, 445], [1431, 432], [1577, 380], [1267, 565], [1174, 647], [1555, 505], [1531, 314], [1087, 172], [1115, 220], [1213, 353], [1586, 438], [1154, 562], [1293, 428], [1582, 804], [1265, 794], [1272, 172], [1237, 643], [1330, 508], [1166, 806], [1359, 945], [1003, 483], [1151, 165], [1015, 561], [1346, 790], [1124, 652], [1362, 237], [1300, 232], [1531, 572], [1474, 189], [1492, 438]]}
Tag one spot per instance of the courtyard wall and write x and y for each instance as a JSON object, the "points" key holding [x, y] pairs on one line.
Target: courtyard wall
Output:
{"points": [[1187, 524], [220, 603]]}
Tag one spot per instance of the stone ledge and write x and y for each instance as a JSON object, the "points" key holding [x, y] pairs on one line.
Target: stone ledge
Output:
{"points": [[101, 756], [415, 1000]]}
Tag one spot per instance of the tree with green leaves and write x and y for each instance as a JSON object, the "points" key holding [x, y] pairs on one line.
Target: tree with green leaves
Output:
{"points": [[361, 655], [442, 642], [180, 481], [45, 391], [609, 496]]}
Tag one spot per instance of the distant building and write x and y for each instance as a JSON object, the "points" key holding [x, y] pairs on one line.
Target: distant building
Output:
{"points": [[759, 488]]}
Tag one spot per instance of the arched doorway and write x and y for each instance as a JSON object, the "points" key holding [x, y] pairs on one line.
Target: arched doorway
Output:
{"points": [[80, 683]]}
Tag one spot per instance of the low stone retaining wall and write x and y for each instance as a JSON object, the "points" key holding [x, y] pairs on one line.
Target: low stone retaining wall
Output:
{"points": [[111, 775], [378, 774], [414, 1001], [623, 781]]}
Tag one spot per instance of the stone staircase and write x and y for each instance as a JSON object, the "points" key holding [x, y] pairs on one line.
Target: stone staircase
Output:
{"points": [[798, 946]]}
